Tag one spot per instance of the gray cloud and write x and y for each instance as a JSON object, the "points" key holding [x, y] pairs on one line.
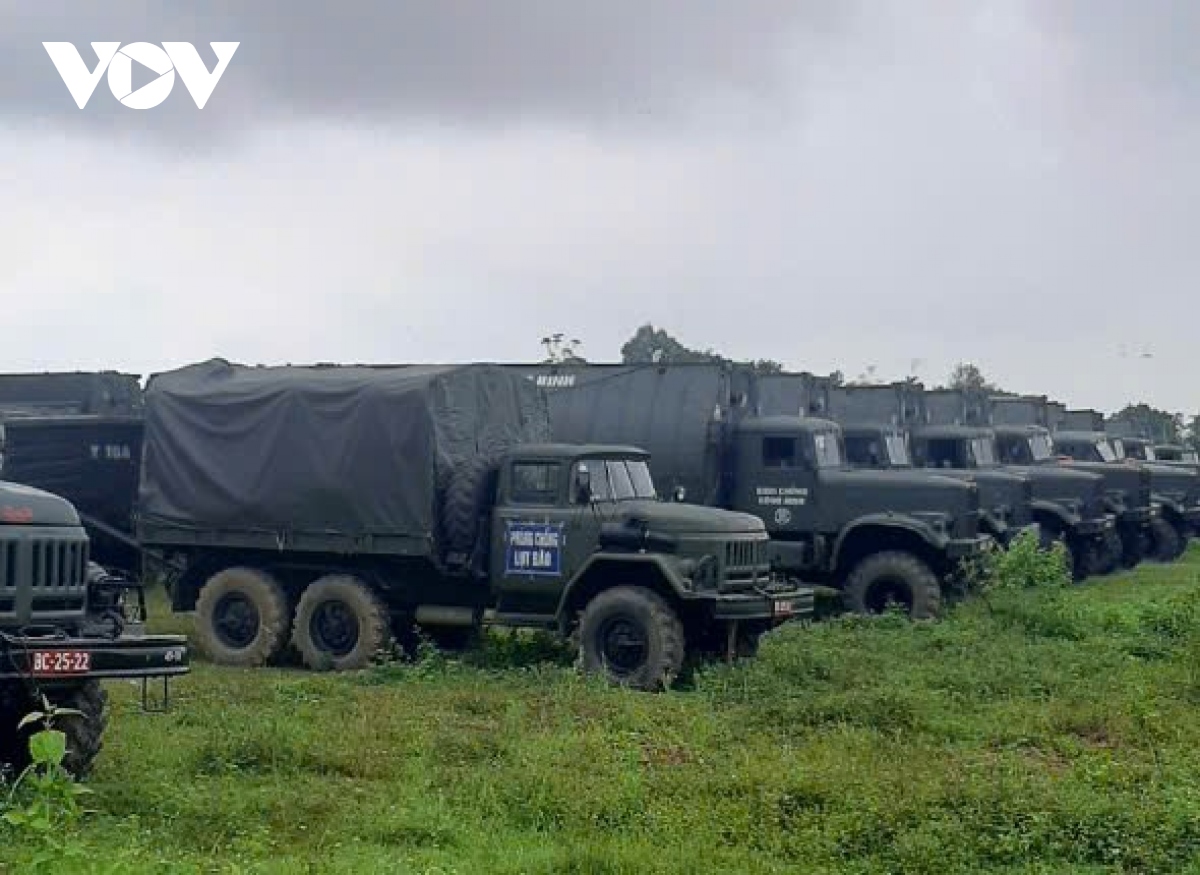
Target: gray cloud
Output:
{"points": [[1008, 182]]}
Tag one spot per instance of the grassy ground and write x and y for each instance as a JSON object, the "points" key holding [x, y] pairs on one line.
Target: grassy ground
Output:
{"points": [[1032, 732]]}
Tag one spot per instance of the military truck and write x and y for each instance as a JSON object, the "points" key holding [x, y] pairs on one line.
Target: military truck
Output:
{"points": [[331, 509], [950, 432], [1024, 438], [880, 537], [66, 625]]}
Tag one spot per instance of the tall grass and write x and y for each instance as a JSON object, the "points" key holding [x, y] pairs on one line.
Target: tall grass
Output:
{"points": [[1044, 729]]}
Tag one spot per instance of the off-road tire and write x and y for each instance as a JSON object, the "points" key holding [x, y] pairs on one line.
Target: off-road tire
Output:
{"points": [[464, 503], [913, 579], [84, 732], [357, 602], [1113, 550], [647, 613], [1076, 560], [1133, 548], [1165, 540], [266, 596]]}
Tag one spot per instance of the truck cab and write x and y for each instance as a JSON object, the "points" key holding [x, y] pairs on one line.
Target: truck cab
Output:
{"points": [[572, 524], [879, 534]]}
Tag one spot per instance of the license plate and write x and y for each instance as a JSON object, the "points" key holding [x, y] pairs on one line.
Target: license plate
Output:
{"points": [[784, 607], [61, 662]]}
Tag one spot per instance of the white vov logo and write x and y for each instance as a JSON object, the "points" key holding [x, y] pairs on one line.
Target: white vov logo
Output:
{"points": [[164, 60]]}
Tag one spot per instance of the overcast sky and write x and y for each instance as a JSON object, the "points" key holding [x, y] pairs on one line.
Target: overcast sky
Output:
{"points": [[835, 185]]}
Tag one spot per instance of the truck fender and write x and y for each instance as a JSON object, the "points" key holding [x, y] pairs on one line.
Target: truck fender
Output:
{"points": [[1171, 509], [605, 570], [911, 525], [992, 526], [1055, 514]]}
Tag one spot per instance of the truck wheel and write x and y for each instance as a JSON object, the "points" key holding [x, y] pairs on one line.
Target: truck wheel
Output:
{"points": [[466, 496], [84, 732], [242, 618], [1164, 541], [340, 624], [1050, 537], [632, 637], [1113, 551], [894, 577], [1133, 547]]}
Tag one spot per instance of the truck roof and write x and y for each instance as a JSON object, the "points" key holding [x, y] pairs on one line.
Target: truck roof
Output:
{"points": [[575, 451], [758, 424]]}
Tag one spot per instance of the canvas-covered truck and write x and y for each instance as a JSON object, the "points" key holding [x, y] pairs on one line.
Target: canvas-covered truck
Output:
{"points": [[331, 509], [1023, 437], [880, 537], [66, 625]]}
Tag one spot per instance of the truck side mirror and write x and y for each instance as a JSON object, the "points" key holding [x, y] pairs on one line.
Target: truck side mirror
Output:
{"points": [[680, 494], [583, 486]]}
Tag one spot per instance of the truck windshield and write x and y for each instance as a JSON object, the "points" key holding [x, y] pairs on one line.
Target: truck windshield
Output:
{"points": [[983, 452], [897, 450], [1189, 456], [627, 479], [1148, 454], [828, 450], [1107, 451], [1040, 447]]}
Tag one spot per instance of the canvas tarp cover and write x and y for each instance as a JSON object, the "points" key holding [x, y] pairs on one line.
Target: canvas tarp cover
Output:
{"points": [[670, 411], [337, 449]]}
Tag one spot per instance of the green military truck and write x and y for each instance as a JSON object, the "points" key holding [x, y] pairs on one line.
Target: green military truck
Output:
{"points": [[331, 509], [951, 432], [715, 434], [66, 625], [1024, 437]]}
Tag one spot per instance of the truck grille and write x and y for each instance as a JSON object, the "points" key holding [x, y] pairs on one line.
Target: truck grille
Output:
{"points": [[43, 575], [746, 561]]}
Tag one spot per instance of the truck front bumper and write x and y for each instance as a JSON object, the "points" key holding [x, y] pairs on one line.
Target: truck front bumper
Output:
{"points": [[1140, 516], [767, 604], [965, 548], [63, 659], [1096, 526]]}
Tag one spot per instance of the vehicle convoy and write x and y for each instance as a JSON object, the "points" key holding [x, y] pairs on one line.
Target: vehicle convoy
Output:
{"points": [[949, 432], [1174, 490], [65, 626], [719, 434], [332, 508], [1023, 438], [888, 426]]}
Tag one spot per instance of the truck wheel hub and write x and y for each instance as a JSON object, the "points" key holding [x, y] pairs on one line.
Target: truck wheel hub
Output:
{"points": [[623, 644], [334, 628], [235, 620]]}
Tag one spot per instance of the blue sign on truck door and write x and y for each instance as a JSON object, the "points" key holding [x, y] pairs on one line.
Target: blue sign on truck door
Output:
{"points": [[533, 548]]}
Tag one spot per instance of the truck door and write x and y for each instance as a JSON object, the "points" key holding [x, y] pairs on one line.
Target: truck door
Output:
{"points": [[776, 482], [535, 536]]}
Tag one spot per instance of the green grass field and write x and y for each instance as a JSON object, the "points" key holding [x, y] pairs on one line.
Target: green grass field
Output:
{"points": [[1039, 731]]}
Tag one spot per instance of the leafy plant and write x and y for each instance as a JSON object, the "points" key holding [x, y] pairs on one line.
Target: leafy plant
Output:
{"points": [[45, 800]]}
